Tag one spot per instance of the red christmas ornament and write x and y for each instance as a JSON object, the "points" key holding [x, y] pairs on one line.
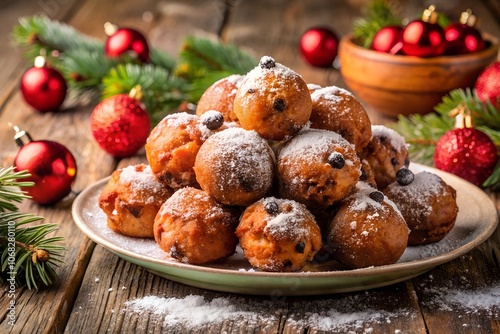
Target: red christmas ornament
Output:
{"points": [[125, 40], [462, 37], [43, 87], [487, 85], [466, 152], [51, 165], [120, 124], [388, 39], [424, 38], [319, 46]]}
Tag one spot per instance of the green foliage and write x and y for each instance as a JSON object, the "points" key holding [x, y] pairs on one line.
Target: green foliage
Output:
{"points": [[202, 62], [165, 83], [27, 253], [423, 131], [379, 14], [162, 92]]}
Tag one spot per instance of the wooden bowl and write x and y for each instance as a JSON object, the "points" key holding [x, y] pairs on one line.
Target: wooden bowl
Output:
{"points": [[402, 85]]}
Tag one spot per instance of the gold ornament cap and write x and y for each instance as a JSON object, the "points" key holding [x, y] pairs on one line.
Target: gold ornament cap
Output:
{"points": [[468, 18], [430, 15]]}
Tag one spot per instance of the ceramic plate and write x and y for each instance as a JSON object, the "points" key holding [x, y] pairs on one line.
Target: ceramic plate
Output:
{"points": [[477, 219]]}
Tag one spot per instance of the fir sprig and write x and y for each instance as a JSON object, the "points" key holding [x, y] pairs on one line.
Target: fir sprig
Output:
{"points": [[202, 62], [162, 92], [423, 131], [28, 254], [379, 14], [165, 83]]}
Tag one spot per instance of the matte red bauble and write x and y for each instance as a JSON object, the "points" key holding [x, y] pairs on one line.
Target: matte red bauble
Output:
{"points": [[319, 46], [487, 85], [43, 87], [424, 38], [120, 125], [468, 153], [51, 165], [125, 40], [388, 39]]}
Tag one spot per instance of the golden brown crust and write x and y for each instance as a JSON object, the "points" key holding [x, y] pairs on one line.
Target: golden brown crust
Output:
{"points": [[193, 228], [131, 200], [278, 235], [274, 101], [386, 153], [367, 233], [305, 173], [428, 205], [336, 109], [220, 96], [235, 166], [172, 146]]}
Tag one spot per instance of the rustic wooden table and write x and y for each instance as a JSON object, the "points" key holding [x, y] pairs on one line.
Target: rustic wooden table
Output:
{"points": [[94, 285]]}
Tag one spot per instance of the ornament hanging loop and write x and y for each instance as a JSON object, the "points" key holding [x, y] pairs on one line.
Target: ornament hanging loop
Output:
{"points": [[21, 137]]}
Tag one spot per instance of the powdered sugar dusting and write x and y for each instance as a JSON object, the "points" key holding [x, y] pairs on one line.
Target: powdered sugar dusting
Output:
{"points": [[290, 220], [331, 93], [362, 199], [240, 152], [309, 143], [349, 314], [139, 179], [396, 140], [177, 205], [194, 312], [192, 123], [256, 78]]}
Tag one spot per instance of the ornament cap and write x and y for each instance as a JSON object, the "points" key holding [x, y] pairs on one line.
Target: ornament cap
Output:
{"points": [[136, 93], [468, 18], [21, 137], [463, 117], [39, 61], [110, 28], [430, 15]]}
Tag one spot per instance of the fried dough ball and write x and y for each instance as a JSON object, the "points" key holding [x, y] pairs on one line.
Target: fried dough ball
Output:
{"points": [[278, 235], [367, 230], [317, 168], [427, 203], [220, 96], [336, 109], [367, 174], [194, 228], [386, 153], [273, 100], [131, 199], [235, 166], [173, 144]]}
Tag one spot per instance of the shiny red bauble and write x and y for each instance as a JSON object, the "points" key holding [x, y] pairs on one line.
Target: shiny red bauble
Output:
{"points": [[319, 46], [52, 168], [120, 125], [463, 39], [487, 85], [43, 88], [388, 39], [127, 41], [468, 153], [423, 39]]}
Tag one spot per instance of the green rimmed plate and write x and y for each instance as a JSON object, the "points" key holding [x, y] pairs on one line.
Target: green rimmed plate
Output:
{"points": [[477, 220]]}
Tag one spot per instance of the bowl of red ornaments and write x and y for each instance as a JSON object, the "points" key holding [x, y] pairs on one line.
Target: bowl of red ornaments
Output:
{"points": [[408, 69]]}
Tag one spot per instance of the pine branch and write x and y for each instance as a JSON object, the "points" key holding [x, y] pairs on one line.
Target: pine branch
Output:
{"points": [[423, 131], [202, 61], [379, 14], [162, 92], [27, 253]]}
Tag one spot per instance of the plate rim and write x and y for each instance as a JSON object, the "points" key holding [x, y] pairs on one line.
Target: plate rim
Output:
{"points": [[422, 264]]}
